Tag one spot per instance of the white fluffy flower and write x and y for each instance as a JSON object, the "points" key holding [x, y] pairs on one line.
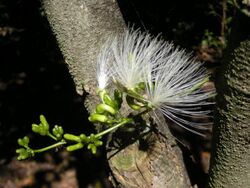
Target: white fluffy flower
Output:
{"points": [[174, 88], [103, 67], [133, 53], [173, 80]]}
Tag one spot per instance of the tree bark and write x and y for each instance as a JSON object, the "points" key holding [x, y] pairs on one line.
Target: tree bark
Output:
{"points": [[160, 165], [230, 165], [81, 27]]}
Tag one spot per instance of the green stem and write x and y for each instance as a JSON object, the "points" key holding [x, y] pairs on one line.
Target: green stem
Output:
{"points": [[125, 121], [62, 142], [51, 136], [137, 96]]}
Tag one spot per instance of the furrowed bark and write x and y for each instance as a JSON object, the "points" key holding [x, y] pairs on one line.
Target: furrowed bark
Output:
{"points": [[81, 27], [230, 165]]}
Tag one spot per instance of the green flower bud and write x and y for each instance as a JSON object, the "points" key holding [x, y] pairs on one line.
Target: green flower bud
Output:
{"points": [[101, 93], [132, 104], [23, 141], [102, 108], [57, 132], [84, 138], [40, 129], [44, 122], [92, 147], [75, 147], [107, 100], [140, 87], [95, 118], [98, 143], [92, 137], [24, 153], [72, 137], [118, 99]]}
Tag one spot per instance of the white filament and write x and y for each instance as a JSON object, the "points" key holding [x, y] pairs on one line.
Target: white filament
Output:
{"points": [[133, 53], [103, 68]]}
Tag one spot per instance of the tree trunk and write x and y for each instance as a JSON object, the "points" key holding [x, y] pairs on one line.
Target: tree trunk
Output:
{"points": [[154, 162], [81, 27], [230, 165]]}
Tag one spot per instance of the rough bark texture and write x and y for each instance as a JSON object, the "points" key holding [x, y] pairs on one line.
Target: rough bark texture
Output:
{"points": [[160, 165], [81, 27], [230, 165], [137, 168]]}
